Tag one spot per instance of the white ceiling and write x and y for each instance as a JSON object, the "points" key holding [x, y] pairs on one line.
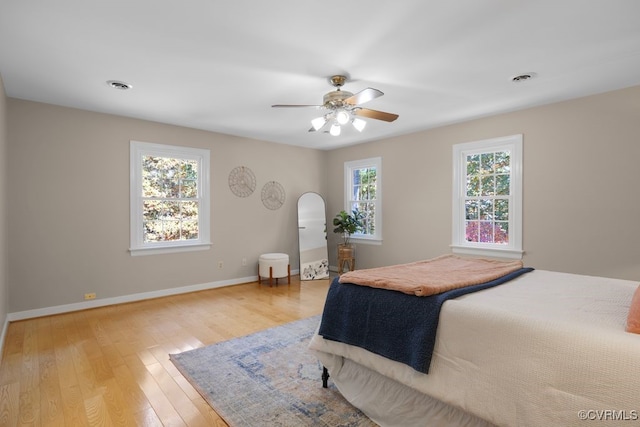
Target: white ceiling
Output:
{"points": [[220, 65]]}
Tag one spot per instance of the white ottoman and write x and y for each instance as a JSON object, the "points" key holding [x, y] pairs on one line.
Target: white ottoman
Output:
{"points": [[274, 266]]}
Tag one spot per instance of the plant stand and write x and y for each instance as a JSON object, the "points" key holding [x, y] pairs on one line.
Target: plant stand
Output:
{"points": [[346, 255]]}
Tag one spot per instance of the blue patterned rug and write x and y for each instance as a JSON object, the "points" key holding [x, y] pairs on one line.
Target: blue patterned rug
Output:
{"points": [[268, 379]]}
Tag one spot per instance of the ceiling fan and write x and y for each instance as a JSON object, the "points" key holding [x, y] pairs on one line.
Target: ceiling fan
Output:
{"points": [[344, 107]]}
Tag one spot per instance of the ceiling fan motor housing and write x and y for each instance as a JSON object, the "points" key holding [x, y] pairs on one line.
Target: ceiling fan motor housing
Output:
{"points": [[336, 99]]}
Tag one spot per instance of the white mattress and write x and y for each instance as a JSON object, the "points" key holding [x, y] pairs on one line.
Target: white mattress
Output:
{"points": [[533, 352]]}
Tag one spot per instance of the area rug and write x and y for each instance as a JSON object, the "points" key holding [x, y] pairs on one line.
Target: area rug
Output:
{"points": [[269, 378]]}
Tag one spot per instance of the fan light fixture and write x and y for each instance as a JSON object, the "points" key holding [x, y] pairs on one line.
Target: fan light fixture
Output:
{"points": [[359, 124], [318, 122], [343, 107], [342, 117]]}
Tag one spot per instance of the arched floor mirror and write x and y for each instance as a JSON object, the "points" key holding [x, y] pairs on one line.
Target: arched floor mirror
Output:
{"points": [[312, 237]]}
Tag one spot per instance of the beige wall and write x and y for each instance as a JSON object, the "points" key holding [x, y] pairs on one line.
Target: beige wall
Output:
{"points": [[4, 275], [581, 175], [69, 211]]}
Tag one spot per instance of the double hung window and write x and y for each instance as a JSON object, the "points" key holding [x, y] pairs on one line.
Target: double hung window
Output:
{"points": [[487, 197], [169, 198], [363, 192]]}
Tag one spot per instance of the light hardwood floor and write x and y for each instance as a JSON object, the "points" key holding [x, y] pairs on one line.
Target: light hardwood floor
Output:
{"points": [[109, 366]]}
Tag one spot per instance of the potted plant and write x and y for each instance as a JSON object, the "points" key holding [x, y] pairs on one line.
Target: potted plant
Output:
{"points": [[347, 224]]}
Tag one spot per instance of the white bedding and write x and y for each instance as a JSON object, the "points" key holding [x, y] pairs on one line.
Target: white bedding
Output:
{"points": [[533, 352]]}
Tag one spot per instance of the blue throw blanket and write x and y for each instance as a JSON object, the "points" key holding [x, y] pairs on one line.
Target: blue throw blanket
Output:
{"points": [[393, 324]]}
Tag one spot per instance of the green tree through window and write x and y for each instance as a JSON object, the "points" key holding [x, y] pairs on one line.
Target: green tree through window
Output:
{"points": [[169, 197], [364, 197], [487, 197], [363, 193]]}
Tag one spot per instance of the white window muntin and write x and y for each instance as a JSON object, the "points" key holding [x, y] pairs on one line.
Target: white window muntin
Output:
{"points": [[349, 203], [137, 244], [512, 144]]}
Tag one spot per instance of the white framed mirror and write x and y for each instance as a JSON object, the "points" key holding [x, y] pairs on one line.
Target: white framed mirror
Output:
{"points": [[312, 237]]}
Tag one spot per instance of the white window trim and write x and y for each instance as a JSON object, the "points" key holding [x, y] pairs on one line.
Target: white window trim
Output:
{"points": [[513, 250], [375, 239], [137, 151]]}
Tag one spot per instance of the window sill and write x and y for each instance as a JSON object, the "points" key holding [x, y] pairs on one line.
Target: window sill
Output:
{"points": [[489, 252], [366, 241], [169, 249]]}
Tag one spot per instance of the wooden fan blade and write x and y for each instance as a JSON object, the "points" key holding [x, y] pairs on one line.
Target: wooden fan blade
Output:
{"points": [[363, 96], [294, 106], [374, 114]]}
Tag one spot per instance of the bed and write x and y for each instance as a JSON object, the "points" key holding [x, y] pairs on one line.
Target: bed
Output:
{"points": [[544, 348]]}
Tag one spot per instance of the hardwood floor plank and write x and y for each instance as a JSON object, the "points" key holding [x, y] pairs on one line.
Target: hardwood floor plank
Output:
{"points": [[131, 392], [84, 372], [110, 366], [73, 405], [51, 406], [112, 356], [210, 415], [179, 400], [186, 387], [14, 339], [101, 369], [10, 372], [29, 378], [120, 412], [97, 412], [160, 402], [161, 354], [71, 395], [9, 404], [147, 418]]}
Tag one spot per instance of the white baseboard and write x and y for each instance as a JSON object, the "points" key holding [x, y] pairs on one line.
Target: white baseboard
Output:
{"points": [[66, 308], [84, 305]]}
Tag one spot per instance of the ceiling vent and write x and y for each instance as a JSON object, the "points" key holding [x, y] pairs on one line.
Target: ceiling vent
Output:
{"points": [[522, 77], [116, 84]]}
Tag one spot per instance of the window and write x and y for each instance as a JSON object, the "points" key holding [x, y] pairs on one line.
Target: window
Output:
{"points": [[363, 192], [169, 198], [487, 197]]}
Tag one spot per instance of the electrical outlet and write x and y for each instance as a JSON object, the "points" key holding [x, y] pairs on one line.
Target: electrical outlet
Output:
{"points": [[244, 262], [91, 295], [220, 264]]}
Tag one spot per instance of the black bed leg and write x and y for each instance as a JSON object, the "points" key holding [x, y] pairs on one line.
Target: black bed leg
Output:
{"points": [[325, 377]]}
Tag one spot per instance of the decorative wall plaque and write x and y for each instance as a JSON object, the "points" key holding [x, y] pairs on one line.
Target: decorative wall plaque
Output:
{"points": [[273, 195], [242, 181]]}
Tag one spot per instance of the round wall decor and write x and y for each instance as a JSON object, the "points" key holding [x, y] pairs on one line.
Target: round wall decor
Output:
{"points": [[242, 181], [273, 195]]}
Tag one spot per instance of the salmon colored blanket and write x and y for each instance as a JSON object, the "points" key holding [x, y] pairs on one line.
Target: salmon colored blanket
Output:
{"points": [[433, 276]]}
